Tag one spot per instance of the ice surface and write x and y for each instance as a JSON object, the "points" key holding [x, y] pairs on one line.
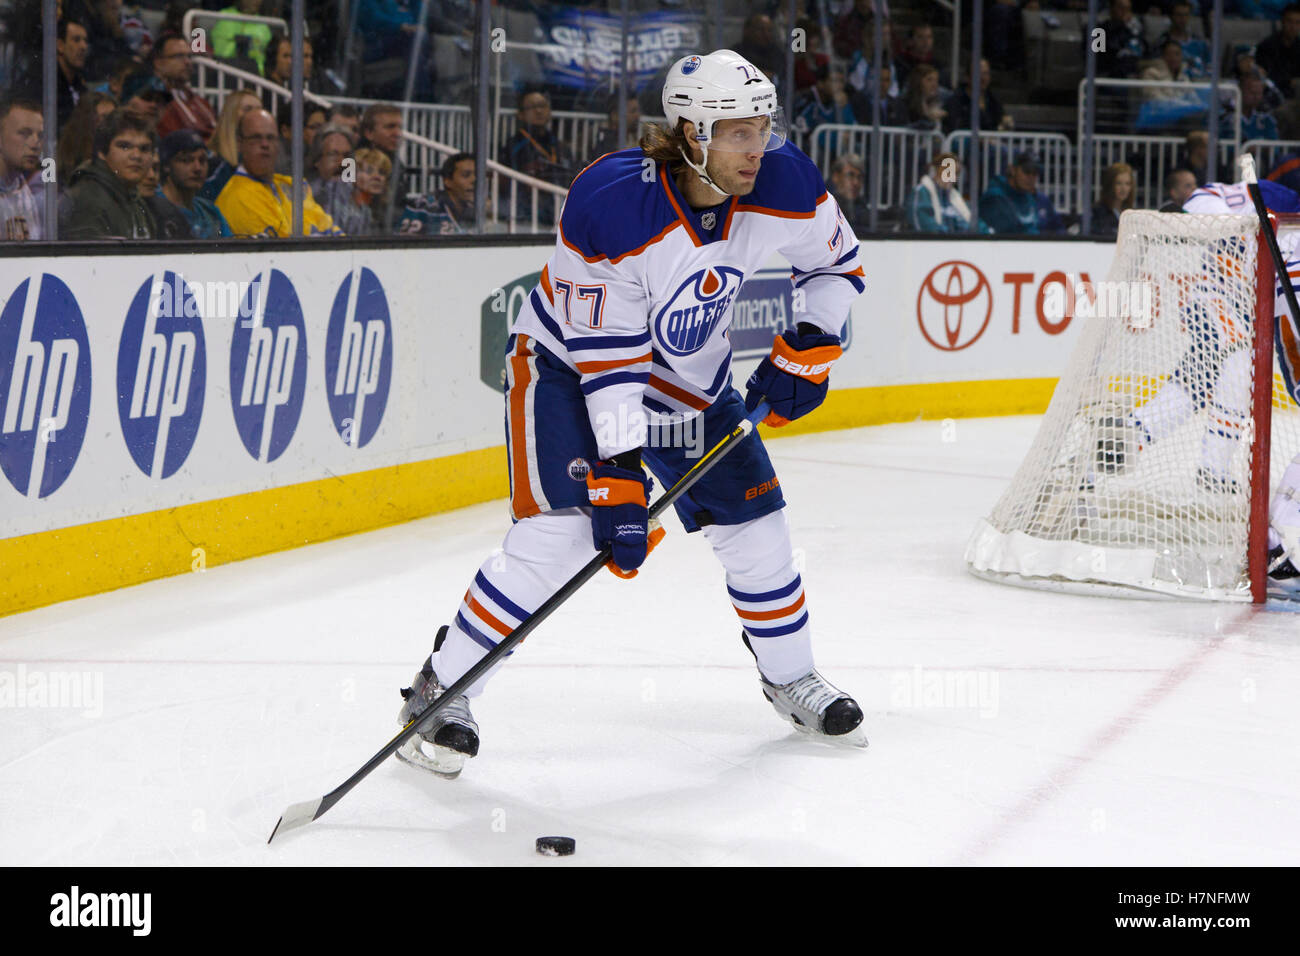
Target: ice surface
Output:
{"points": [[1006, 726]]}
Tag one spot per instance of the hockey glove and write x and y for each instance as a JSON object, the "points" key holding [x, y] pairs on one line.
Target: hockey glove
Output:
{"points": [[794, 377], [620, 519]]}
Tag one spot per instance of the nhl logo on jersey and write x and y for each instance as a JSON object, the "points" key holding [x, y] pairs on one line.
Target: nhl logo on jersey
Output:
{"points": [[578, 469], [708, 220], [696, 309], [691, 65]]}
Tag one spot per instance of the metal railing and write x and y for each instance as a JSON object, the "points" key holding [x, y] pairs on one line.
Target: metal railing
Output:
{"points": [[999, 149], [906, 153]]}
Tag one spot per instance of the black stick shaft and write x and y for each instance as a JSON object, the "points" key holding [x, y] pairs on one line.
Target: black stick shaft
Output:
{"points": [[588, 571], [1270, 238]]}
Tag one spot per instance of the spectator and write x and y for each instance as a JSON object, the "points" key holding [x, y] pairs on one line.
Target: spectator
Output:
{"points": [[924, 100], [381, 128], [108, 43], [1169, 68], [22, 128], [1123, 46], [136, 33], [1288, 119], [345, 116], [258, 202], [608, 141], [172, 65], [918, 51], [936, 204], [450, 210], [826, 102], [1004, 35], [1180, 183], [1196, 52], [1195, 154], [112, 85], [1256, 122], [77, 137], [279, 66], [390, 28], [234, 38], [1116, 196], [103, 200], [848, 28], [353, 206], [178, 208], [225, 141], [892, 110], [860, 68], [144, 95], [1279, 54], [809, 61], [759, 45], [1245, 65], [72, 48], [325, 158], [847, 185], [536, 150], [992, 115], [1013, 205]]}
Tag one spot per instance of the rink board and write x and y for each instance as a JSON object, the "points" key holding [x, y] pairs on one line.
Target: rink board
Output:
{"points": [[163, 413]]}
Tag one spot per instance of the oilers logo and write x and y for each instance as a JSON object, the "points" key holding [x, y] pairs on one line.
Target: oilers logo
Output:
{"points": [[268, 366], [44, 385], [578, 469], [691, 65], [161, 374], [358, 357], [696, 309]]}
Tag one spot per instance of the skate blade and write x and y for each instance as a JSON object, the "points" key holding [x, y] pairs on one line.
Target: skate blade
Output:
{"points": [[855, 738], [443, 762]]}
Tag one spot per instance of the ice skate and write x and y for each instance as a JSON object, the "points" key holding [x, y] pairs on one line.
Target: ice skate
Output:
{"points": [[814, 706], [452, 736]]}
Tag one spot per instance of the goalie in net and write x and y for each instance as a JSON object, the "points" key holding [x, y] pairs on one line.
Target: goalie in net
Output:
{"points": [[1141, 476]]}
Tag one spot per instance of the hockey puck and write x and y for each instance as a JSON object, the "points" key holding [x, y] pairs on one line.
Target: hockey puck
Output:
{"points": [[556, 846]]}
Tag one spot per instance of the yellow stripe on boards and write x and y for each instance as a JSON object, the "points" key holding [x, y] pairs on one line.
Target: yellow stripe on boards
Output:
{"points": [[67, 563], [855, 407], [51, 566]]}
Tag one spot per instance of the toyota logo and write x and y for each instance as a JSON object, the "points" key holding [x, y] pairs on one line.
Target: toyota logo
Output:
{"points": [[954, 305]]}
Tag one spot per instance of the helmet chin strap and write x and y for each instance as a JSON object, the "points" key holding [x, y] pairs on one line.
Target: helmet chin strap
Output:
{"points": [[703, 174]]}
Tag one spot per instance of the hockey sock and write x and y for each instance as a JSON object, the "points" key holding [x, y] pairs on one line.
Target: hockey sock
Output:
{"points": [[767, 593], [539, 554]]}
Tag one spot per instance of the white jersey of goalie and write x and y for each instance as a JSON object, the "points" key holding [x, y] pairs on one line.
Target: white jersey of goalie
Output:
{"points": [[636, 298], [1234, 199]]}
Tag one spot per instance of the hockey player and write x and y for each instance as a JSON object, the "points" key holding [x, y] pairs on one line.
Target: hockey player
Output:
{"points": [[1224, 382], [623, 340]]}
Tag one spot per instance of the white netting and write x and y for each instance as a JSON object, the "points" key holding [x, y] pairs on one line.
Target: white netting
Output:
{"points": [[1139, 477]]}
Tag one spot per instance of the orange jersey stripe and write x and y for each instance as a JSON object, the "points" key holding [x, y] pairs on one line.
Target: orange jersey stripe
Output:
{"points": [[486, 616], [546, 283], [619, 258], [678, 393], [522, 502], [590, 368], [681, 218], [770, 615]]}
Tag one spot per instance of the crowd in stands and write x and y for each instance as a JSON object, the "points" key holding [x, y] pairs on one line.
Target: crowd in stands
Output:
{"points": [[142, 154]]}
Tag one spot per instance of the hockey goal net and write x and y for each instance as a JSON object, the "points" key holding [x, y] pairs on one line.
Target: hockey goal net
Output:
{"points": [[1154, 464]]}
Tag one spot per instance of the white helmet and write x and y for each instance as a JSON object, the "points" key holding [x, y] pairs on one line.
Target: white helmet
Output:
{"points": [[722, 85]]}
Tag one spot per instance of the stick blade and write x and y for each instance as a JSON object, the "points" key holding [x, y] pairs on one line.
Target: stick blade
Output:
{"points": [[298, 815]]}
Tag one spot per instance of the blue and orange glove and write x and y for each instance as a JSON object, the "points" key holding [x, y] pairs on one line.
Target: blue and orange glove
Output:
{"points": [[795, 376], [620, 517]]}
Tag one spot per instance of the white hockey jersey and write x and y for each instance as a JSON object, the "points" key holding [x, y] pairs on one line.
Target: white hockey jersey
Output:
{"points": [[637, 296]]}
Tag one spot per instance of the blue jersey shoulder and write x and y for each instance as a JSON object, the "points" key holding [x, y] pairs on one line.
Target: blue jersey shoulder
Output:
{"points": [[613, 207], [1278, 198], [787, 180]]}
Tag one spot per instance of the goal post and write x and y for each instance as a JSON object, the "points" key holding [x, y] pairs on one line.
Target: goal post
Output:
{"points": [[1153, 467]]}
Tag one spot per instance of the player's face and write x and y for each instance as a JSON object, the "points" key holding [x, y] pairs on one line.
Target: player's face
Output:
{"points": [[20, 139], [736, 153]]}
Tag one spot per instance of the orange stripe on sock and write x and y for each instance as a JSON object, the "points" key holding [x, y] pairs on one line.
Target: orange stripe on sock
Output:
{"points": [[486, 616], [769, 615]]}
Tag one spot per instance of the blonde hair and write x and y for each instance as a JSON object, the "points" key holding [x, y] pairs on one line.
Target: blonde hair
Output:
{"points": [[226, 138], [665, 145], [375, 158]]}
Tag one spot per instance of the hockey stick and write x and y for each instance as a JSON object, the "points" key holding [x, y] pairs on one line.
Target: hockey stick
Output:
{"points": [[1270, 238], [300, 814]]}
